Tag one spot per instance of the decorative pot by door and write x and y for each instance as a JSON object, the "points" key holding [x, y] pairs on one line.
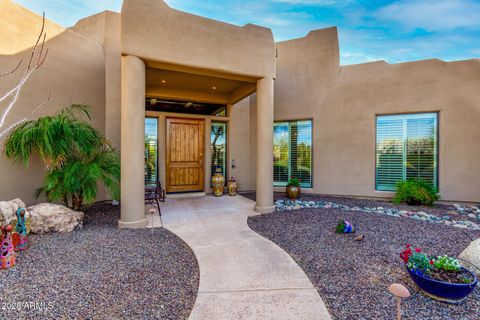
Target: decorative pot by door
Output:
{"points": [[232, 187], [218, 182], [293, 192]]}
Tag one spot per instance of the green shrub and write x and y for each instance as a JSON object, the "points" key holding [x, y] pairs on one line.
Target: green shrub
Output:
{"points": [[415, 192]]}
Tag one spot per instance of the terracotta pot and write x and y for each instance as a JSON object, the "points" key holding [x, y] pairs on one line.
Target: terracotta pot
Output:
{"points": [[293, 192], [218, 183], [232, 187]]}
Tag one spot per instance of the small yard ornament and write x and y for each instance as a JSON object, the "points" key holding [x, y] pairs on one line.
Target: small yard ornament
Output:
{"points": [[400, 292], [7, 254], [345, 227], [20, 235]]}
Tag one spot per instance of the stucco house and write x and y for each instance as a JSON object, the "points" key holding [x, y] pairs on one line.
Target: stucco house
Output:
{"points": [[180, 94]]}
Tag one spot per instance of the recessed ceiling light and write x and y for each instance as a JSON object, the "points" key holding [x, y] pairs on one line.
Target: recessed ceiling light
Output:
{"points": [[164, 81], [214, 88]]}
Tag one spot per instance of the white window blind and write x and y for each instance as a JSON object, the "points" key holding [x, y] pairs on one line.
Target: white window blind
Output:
{"points": [[293, 152], [406, 148]]}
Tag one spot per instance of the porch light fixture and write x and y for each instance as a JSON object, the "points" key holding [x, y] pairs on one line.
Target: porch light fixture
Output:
{"points": [[153, 102]]}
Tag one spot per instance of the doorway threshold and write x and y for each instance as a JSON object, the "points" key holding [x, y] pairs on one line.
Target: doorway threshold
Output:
{"points": [[183, 195]]}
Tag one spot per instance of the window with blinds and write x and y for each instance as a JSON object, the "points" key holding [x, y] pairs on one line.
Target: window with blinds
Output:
{"points": [[151, 151], [292, 152], [218, 141], [407, 148]]}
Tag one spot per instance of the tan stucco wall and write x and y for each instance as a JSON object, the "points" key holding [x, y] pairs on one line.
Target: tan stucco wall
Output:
{"points": [[104, 28], [344, 101], [239, 139], [151, 29], [74, 70]]}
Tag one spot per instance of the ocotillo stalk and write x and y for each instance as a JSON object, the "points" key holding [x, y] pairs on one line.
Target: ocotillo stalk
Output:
{"points": [[400, 292]]}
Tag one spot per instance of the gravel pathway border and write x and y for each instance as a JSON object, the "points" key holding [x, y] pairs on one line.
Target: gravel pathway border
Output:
{"points": [[352, 276], [101, 272]]}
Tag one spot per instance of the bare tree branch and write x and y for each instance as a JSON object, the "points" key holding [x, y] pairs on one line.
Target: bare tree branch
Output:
{"points": [[3, 133], [14, 69], [30, 69]]}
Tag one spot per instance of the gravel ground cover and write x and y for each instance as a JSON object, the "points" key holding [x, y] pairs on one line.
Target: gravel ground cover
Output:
{"points": [[352, 277], [101, 272], [459, 216]]}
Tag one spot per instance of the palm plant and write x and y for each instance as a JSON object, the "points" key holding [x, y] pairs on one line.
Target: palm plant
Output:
{"points": [[75, 155]]}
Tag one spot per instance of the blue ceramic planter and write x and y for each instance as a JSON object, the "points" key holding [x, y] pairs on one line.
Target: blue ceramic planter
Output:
{"points": [[443, 291]]}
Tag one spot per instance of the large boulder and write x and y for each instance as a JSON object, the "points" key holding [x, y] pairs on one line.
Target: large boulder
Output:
{"points": [[49, 217], [8, 210], [472, 255]]}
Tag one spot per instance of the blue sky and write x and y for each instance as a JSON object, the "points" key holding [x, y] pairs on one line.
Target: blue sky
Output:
{"points": [[370, 30]]}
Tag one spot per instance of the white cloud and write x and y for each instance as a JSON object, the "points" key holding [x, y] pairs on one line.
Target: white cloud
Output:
{"points": [[432, 15]]}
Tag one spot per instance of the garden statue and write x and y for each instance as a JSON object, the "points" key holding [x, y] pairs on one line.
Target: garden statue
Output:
{"points": [[345, 227], [218, 182], [400, 292], [7, 254], [232, 186], [20, 235]]}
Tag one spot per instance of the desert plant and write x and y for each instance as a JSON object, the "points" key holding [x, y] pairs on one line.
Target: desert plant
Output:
{"points": [[75, 155], [415, 192]]}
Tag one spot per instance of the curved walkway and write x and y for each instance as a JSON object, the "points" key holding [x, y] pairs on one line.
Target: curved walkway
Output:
{"points": [[242, 274]]}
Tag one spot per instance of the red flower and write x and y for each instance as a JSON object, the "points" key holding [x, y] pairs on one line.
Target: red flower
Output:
{"points": [[431, 262], [418, 250]]}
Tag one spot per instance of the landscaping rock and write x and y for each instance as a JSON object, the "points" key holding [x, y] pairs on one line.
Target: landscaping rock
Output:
{"points": [[9, 208], [472, 255], [49, 217], [438, 217]]}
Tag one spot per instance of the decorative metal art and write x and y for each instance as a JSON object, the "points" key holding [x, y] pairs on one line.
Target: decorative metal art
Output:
{"points": [[7, 253], [20, 234], [345, 226]]}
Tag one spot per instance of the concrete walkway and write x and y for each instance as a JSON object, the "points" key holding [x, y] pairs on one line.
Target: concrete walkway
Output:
{"points": [[242, 274]]}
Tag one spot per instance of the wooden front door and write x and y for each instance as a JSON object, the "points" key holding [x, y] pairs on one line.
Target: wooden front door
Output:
{"points": [[185, 155]]}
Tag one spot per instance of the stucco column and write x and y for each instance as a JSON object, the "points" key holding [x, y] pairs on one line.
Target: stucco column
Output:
{"points": [[132, 143], [265, 146]]}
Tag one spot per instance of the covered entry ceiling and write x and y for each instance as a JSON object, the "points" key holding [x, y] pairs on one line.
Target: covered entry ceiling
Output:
{"points": [[187, 107], [188, 84]]}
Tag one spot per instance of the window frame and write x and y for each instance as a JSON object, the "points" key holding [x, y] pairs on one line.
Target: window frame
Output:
{"points": [[436, 150], [157, 163], [289, 122], [225, 173]]}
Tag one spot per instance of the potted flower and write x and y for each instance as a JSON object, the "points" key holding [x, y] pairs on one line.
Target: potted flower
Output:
{"points": [[293, 188], [441, 278]]}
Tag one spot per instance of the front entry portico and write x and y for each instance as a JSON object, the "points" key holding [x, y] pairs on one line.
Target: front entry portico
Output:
{"points": [[174, 56], [183, 143]]}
